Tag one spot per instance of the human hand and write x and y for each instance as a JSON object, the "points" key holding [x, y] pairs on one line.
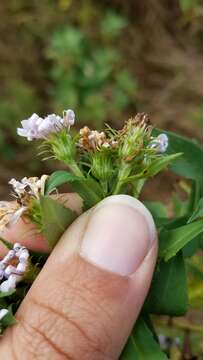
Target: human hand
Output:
{"points": [[86, 299]]}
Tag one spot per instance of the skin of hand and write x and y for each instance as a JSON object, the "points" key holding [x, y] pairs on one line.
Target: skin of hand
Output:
{"points": [[88, 296]]}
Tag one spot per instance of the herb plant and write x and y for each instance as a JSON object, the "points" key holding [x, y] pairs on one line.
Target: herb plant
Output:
{"points": [[96, 165]]}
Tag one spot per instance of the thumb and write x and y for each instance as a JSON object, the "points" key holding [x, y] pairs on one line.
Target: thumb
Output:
{"points": [[87, 297]]}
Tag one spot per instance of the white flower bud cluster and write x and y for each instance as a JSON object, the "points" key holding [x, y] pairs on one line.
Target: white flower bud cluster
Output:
{"points": [[11, 273], [36, 127], [160, 144], [33, 186]]}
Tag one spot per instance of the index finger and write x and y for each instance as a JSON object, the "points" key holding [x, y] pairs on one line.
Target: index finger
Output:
{"points": [[27, 234]]}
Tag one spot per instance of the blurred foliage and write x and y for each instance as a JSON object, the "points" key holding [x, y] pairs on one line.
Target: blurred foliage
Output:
{"points": [[88, 72], [49, 64]]}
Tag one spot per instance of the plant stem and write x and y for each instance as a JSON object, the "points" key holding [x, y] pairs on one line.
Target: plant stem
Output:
{"points": [[123, 173], [84, 187], [74, 168], [104, 185], [137, 187]]}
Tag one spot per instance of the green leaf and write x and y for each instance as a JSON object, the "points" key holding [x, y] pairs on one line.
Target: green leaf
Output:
{"points": [[158, 164], [8, 293], [157, 209], [7, 320], [171, 241], [55, 219], [169, 279], [198, 213], [141, 344], [58, 178], [190, 165], [192, 247], [188, 5], [89, 190]]}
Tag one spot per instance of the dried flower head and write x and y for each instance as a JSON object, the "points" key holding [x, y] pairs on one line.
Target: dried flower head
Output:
{"points": [[25, 191], [93, 140], [134, 136], [28, 187], [10, 213]]}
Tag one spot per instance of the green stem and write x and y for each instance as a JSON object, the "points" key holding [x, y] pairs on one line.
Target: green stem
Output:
{"points": [[123, 173], [137, 187], [84, 187], [104, 185], [74, 168]]}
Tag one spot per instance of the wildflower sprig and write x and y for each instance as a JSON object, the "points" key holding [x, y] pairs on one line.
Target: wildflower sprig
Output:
{"points": [[113, 159], [99, 163], [95, 164]]}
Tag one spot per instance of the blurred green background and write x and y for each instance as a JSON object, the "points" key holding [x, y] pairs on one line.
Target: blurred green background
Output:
{"points": [[106, 60]]}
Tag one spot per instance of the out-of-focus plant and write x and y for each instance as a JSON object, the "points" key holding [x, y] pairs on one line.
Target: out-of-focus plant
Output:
{"points": [[114, 162], [188, 5], [17, 100], [88, 70]]}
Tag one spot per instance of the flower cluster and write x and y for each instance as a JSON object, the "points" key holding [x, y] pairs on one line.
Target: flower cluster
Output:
{"points": [[93, 139], [115, 158], [9, 213], [10, 275], [39, 128], [24, 191], [29, 187]]}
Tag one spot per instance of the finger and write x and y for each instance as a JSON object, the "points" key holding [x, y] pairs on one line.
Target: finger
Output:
{"points": [[87, 297], [27, 234]]}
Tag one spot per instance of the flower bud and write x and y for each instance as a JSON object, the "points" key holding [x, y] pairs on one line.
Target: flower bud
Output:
{"points": [[63, 147], [133, 137], [102, 167]]}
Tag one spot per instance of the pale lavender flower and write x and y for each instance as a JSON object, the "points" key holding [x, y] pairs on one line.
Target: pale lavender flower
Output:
{"points": [[160, 144], [30, 128], [36, 127], [68, 118]]}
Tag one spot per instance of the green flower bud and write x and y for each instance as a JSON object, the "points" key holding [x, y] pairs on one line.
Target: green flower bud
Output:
{"points": [[134, 137], [102, 166], [63, 147]]}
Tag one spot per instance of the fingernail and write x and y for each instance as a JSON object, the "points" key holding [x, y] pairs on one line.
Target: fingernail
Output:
{"points": [[119, 234]]}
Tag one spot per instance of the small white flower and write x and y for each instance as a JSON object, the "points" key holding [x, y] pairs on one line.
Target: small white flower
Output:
{"points": [[13, 274], [5, 286], [68, 118], [18, 186], [30, 127], [36, 127], [33, 186], [51, 124], [3, 312], [160, 144]]}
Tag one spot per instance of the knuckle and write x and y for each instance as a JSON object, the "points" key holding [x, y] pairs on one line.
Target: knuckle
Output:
{"points": [[62, 335]]}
